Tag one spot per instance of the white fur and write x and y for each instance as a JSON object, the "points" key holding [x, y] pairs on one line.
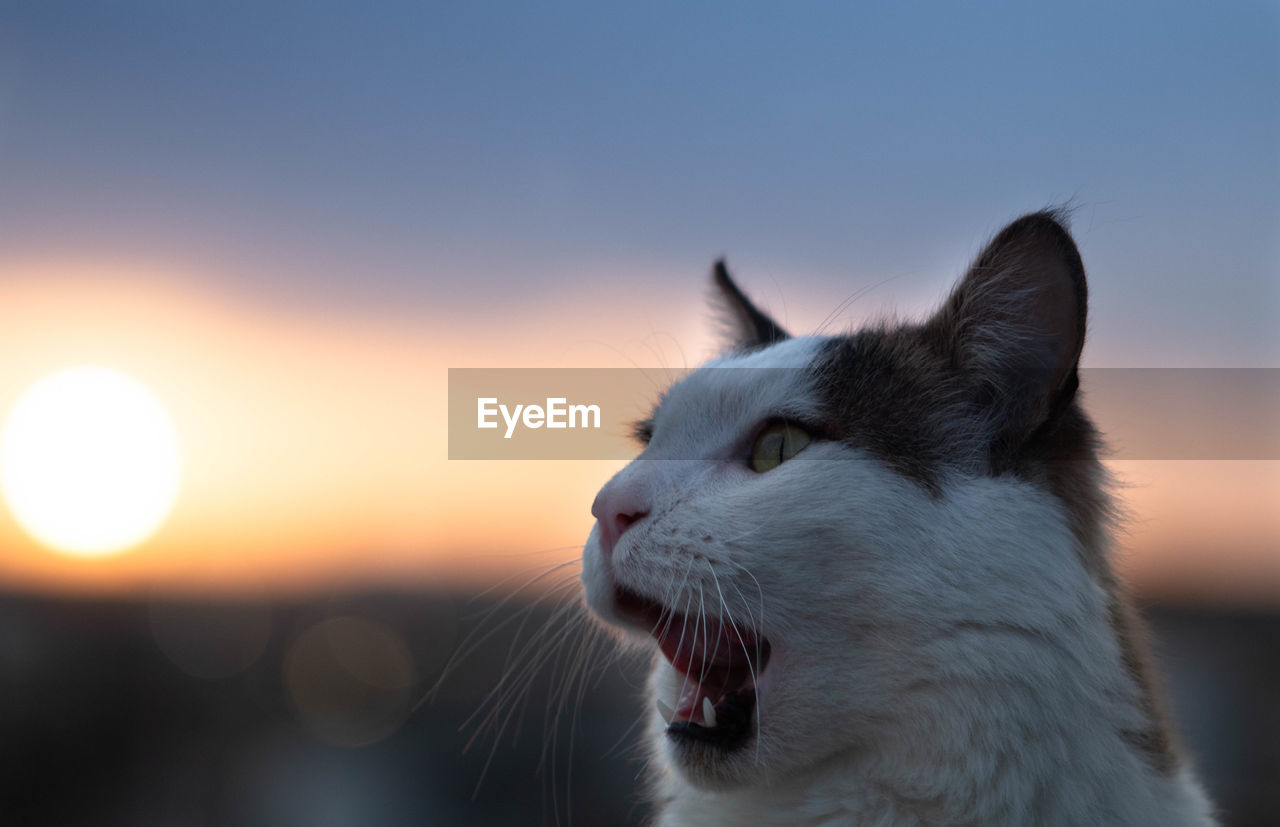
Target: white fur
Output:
{"points": [[936, 660]]}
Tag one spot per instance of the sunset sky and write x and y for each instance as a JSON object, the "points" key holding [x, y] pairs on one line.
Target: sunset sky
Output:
{"points": [[290, 220]]}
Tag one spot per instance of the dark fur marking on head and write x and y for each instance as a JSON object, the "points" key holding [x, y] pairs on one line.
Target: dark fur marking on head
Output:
{"points": [[883, 393], [989, 386]]}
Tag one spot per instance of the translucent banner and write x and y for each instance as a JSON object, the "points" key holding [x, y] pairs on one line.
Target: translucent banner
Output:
{"points": [[1143, 413]]}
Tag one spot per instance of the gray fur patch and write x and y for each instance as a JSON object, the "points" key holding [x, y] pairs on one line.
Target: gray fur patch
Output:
{"points": [[922, 399]]}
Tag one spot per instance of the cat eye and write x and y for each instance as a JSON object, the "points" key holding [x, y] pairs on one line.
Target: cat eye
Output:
{"points": [[776, 444]]}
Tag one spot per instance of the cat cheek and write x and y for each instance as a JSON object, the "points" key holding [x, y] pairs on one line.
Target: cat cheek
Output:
{"points": [[597, 578]]}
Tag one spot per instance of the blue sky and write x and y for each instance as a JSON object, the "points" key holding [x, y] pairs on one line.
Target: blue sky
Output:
{"points": [[476, 161]]}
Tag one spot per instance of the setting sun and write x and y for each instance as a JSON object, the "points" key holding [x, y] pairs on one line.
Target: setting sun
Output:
{"points": [[89, 461]]}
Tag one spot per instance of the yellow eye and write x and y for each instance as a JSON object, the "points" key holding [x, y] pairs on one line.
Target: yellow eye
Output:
{"points": [[776, 444]]}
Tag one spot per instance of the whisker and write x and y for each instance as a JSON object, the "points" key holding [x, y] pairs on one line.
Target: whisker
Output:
{"points": [[514, 696], [670, 616], [747, 654], [480, 595], [528, 660], [834, 315], [479, 635], [680, 646], [759, 588], [702, 619]]}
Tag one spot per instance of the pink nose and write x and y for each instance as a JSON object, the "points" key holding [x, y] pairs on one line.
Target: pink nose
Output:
{"points": [[618, 506]]}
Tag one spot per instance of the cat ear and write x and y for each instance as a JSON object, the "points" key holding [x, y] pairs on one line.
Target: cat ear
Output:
{"points": [[748, 326], [1015, 325]]}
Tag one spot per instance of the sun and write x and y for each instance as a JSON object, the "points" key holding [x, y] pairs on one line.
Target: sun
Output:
{"points": [[89, 461]]}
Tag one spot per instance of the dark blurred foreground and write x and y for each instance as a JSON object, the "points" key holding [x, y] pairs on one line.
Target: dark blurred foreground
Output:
{"points": [[162, 712]]}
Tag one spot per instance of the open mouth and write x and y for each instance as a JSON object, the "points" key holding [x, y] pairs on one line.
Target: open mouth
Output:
{"points": [[720, 660]]}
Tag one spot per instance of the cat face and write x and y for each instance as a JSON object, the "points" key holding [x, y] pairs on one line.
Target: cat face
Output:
{"points": [[806, 511]]}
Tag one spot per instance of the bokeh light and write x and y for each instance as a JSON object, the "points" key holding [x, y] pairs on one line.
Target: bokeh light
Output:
{"points": [[349, 679], [212, 638]]}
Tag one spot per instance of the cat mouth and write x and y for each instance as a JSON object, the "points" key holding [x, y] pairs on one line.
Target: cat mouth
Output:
{"points": [[720, 661]]}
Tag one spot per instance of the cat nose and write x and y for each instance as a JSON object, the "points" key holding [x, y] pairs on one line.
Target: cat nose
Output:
{"points": [[618, 506]]}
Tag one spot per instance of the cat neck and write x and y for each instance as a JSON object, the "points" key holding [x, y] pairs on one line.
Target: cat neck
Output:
{"points": [[1000, 723], [1005, 751], [1032, 784]]}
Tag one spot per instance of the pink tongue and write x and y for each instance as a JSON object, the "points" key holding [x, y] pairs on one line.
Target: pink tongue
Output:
{"points": [[712, 654]]}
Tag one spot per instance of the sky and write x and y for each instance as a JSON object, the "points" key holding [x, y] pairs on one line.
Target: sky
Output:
{"points": [[289, 220]]}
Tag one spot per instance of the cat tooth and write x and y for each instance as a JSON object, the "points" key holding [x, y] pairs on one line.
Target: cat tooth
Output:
{"points": [[708, 714], [668, 714]]}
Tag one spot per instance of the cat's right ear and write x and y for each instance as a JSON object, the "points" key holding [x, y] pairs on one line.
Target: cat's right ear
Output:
{"points": [[748, 326], [1015, 324]]}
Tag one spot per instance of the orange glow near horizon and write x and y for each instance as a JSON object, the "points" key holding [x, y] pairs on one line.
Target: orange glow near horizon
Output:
{"points": [[315, 450]]}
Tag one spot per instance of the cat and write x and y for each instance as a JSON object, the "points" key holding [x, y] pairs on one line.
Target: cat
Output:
{"points": [[876, 570]]}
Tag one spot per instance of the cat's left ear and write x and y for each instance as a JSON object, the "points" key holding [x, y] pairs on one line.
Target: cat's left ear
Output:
{"points": [[1014, 327], [748, 327]]}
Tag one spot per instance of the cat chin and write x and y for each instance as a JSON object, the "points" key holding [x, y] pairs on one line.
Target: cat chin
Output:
{"points": [[710, 768], [709, 764]]}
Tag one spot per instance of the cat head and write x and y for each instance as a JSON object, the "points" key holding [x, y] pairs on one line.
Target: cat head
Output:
{"points": [[807, 513]]}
